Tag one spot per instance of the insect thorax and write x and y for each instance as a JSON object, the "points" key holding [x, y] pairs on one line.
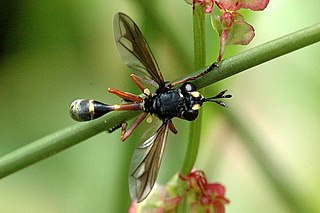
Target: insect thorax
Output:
{"points": [[169, 104]]}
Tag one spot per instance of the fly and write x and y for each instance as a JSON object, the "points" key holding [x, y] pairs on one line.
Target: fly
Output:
{"points": [[166, 103]]}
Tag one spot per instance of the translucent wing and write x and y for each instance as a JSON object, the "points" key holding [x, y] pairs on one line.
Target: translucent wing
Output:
{"points": [[145, 163], [134, 49]]}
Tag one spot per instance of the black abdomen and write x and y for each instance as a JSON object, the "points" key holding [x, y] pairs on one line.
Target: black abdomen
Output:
{"points": [[86, 110]]}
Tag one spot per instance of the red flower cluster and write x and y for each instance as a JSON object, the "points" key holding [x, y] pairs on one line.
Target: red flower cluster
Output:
{"points": [[206, 4], [200, 196], [229, 24], [209, 196]]}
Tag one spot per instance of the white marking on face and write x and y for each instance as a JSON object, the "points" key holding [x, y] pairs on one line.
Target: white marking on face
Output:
{"points": [[195, 94], [196, 106]]}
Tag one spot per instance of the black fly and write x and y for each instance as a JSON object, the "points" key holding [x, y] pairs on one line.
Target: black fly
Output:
{"points": [[166, 103]]}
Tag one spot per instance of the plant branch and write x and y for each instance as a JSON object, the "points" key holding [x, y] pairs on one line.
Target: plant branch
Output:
{"points": [[59, 141], [260, 54], [63, 139], [199, 62]]}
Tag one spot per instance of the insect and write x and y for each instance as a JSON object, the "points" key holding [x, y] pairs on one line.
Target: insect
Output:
{"points": [[166, 103]]}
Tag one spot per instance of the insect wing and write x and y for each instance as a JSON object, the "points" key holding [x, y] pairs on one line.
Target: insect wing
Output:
{"points": [[145, 163], [134, 49]]}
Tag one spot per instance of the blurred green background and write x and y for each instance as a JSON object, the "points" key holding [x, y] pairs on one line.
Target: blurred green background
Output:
{"points": [[52, 52]]}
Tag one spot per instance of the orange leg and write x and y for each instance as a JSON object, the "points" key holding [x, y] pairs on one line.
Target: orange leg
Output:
{"points": [[146, 80], [172, 127], [126, 133], [143, 89], [125, 95]]}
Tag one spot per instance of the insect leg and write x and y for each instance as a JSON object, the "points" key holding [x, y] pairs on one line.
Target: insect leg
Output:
{"points": [[172, 127], [143, 89], [127, 106], [123, 128], [126, 133], [125, 95], [191, 78], [112, 129], [145, 80]]}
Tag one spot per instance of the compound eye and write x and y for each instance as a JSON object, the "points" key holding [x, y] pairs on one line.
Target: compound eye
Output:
{"points": [[190, 115], [188, 87]]}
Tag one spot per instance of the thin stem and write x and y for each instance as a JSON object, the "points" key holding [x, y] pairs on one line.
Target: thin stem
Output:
{"points": [[70, 136], [260, 54], [59, 141], [199, 62]]}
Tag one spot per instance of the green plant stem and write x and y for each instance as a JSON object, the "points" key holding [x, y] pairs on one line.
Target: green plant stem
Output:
{"points": [[260, 54], [199, 62], [58, 141], [195, 126], [70, 136]]}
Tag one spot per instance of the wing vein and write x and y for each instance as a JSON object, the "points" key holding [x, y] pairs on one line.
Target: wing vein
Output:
{"points": [[145, 163]]}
